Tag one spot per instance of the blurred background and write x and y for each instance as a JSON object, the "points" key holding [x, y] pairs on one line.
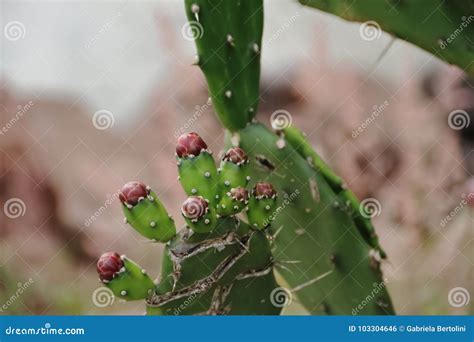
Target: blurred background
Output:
{"points": [[93, 94]]}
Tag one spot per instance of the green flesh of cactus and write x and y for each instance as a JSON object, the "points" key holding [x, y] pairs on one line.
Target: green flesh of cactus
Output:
{"points": [[150, 219], [132, 283], [443, 28], [227, 271], [198, 175], [328, 263], [228, 37], [347, 198]]}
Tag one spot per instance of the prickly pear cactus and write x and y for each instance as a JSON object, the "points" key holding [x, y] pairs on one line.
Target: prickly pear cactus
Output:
{"points": [[216, 264], [443, 28], [327, 250]]}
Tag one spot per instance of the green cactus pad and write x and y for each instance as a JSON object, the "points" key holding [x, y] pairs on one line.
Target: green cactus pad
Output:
{"points": [[230, 206], [132, 282], [260, 211], [150, 218], [207, 273], [228, 36], [328, 264], [231, 176], [198, 176], [348, 199], [443, 28]]}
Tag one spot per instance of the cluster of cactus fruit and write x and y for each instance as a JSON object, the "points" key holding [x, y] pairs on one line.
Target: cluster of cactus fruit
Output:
{"points": [[217, 257]]}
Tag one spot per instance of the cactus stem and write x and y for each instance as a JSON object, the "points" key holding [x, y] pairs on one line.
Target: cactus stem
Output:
{"points": [[203, 284]]}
